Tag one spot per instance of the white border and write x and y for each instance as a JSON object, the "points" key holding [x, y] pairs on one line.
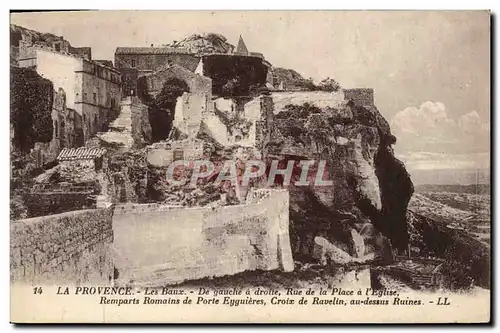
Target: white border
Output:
{"points": [[214, 4]]}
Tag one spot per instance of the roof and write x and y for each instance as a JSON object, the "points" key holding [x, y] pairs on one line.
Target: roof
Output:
{"points": [[69, 154], [241, 48], [151, 50]]}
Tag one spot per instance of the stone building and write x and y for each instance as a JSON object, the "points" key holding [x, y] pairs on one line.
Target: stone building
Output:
{"points": [[149, 59], [191, 105], [135, 62], [162, 154], [92, 89], [195, 82], [64, 131], [79, 164]]}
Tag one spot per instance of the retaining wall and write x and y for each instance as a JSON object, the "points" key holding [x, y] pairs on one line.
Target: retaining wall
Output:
{"points": [[158, 245], [69, 248]]}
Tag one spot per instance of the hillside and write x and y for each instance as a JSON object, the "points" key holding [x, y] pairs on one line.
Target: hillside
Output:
{"points": [[472, 189], [454, 225], [467, 259]]}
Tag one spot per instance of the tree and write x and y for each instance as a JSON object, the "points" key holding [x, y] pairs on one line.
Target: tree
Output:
{"points": [[30, 107], [329, 84], [306, 84]]}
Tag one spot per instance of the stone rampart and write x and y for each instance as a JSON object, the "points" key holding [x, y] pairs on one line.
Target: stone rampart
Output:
{"points": [[69, 248], [159, 245]]}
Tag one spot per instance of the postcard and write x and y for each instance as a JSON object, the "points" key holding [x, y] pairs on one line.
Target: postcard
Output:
{"points": [[250, 167]]}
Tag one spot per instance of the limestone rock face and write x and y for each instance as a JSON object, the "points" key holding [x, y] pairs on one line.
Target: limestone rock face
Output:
{"points": [[205, 43], [370, 186]]}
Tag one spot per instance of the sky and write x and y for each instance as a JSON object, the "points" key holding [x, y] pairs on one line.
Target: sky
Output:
{"points": [[430, 70]]}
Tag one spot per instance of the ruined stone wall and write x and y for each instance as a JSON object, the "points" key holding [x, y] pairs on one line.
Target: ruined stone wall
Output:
{"points": [[151, 62], [263, 126], [161, 154], [226, 105], [320, 99], [69, 248], [141, 128], [159, 245], [216, 128], [189, 109], [360, 96], [47, 199], [77, 170], [46, 203], [197, 84]]}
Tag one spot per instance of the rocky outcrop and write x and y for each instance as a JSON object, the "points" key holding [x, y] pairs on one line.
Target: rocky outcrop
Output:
{"points": [[205, 43], [21, 37], [371, 188], [18, 33], [291, 79]]}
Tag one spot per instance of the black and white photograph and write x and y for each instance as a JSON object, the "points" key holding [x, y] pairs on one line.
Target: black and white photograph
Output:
{"points": [[250, 166]]}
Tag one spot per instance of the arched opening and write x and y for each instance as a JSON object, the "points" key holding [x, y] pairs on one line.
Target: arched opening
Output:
{"points": [[162, 107]]}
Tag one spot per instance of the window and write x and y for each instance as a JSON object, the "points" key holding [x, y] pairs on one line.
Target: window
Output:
{"points": [[132, 63], [57, 47], [98, 164], [95, 98]]}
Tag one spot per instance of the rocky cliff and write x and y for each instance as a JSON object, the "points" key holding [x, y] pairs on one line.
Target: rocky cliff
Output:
{"points": [[18, 33], [371, 188]]}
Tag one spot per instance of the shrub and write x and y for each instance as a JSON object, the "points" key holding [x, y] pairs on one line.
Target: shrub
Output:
{"points": [[30, 107], [329, 85]]}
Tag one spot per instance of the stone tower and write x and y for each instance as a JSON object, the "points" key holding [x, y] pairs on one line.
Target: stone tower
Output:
{"points": [[241, 48]]}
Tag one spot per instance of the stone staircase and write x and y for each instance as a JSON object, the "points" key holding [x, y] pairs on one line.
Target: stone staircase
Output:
{"points": [[120, 130]]}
